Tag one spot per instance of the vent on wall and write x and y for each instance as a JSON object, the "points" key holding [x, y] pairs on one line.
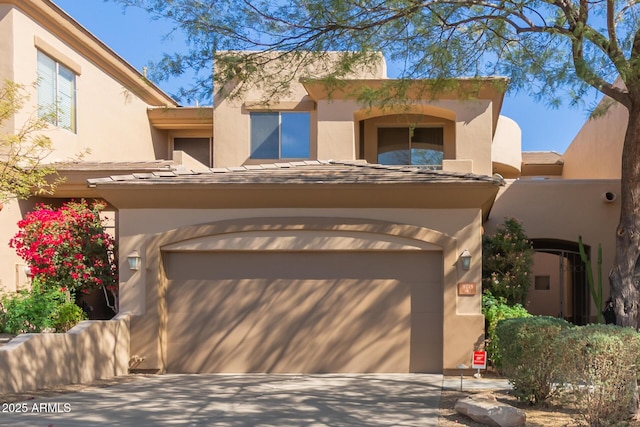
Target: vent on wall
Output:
{"points": [[609, 197]]}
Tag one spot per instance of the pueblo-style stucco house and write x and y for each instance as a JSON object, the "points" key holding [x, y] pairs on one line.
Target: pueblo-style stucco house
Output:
{"points": [[312, 234]]}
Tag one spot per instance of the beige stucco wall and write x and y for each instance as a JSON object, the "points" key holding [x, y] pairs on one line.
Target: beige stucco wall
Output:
{"points": [[112, 123], [11, 213], [468, 126], [463, 323], [6, 42], [337, 130], [506, 149], [564, 210], [331, 124], [111, 119], [92, 350], [6, 48], [474, 133], [335, 127], [547, 302], [596, 152]]}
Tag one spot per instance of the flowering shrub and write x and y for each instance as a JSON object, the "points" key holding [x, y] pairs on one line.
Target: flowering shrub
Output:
{"points": [[68, 248], [507, 258]]}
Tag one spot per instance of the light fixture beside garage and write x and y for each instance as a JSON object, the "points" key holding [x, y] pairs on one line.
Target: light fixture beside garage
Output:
{"points": [[465, 259], [134, 260]]}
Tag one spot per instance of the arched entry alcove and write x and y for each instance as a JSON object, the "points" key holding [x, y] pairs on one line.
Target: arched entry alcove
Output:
{"points": [[559, 285], [421, 135]]}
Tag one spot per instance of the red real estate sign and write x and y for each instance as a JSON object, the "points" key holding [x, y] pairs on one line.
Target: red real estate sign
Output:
{"points": [[479, 360]]}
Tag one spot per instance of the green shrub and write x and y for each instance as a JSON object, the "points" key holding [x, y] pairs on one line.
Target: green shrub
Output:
{"points": [[37, 310], [526, 347], [601, 370], [507, 258], [495, 310], [66, 316]]}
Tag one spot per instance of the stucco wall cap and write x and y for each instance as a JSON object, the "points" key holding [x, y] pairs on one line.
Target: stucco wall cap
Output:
{"points": [[541, 158]]}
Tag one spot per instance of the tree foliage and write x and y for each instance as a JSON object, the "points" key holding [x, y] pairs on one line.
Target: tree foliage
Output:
{"points": [[551, 48], [22, 151]]}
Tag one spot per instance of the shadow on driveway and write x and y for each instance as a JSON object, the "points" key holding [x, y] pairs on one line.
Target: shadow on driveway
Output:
{"points": [[352, 400]]}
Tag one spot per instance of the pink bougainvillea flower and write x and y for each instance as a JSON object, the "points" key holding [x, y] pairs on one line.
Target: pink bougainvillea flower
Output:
{"points": [[68, 247]]}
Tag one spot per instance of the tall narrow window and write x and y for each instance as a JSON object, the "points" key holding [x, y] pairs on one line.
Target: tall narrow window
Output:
{"points": [[406, 146], [56, 93], [280, 135]]}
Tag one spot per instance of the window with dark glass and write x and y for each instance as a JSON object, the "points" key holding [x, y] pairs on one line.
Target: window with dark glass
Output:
{"points": [[56, 93], [280, 135], [198, 148], [410, 146], [542, 283]]}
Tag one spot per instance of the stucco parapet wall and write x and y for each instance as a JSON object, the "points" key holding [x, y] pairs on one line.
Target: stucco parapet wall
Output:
{"points": [[425, 89], [420, 90], [63, 26], [541, 163], [92, 350], [303, 172], [541, 158]]}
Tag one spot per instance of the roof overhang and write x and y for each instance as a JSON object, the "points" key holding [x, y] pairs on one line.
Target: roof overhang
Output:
{"points": [[182, 118], [198, 196], [310, 185], [73, 176]]}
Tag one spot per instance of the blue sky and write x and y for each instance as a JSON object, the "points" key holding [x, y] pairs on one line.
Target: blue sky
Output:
{"points": [[136, 38]]}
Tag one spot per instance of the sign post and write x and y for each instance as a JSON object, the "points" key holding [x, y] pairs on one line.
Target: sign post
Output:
{"points": [[479, 361]]}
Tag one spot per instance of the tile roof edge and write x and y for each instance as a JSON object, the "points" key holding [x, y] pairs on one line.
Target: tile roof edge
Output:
{"points": [[408, 169]]}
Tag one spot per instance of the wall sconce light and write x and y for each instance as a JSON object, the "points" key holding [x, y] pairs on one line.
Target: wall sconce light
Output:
{"points": [[27, 271], [134, 260], [465, 259]]}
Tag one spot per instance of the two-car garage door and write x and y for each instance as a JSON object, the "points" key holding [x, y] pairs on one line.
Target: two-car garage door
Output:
{"points": [[309, 311]]}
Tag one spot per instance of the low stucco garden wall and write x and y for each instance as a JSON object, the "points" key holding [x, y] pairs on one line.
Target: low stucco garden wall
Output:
{"points": [[93, 349]]}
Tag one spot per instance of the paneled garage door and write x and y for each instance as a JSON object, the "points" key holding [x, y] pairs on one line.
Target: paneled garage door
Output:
{"points": [[310, 312]]}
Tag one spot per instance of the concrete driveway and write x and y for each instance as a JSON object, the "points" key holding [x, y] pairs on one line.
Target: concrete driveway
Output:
{"points": [[243, 400]]}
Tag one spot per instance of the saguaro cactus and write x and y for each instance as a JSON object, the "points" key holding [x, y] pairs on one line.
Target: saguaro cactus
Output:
{"points": [[596, 294]]}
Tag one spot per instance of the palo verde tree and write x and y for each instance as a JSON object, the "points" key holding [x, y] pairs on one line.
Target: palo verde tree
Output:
{"points": [[23, 149], [552, 48]]}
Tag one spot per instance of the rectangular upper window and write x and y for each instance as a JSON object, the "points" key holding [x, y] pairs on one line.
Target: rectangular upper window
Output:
{"points": [[56, 93], [280, 135]]}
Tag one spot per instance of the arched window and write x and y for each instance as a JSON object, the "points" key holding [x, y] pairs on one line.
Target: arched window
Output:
{"points": [[410, 146]]}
